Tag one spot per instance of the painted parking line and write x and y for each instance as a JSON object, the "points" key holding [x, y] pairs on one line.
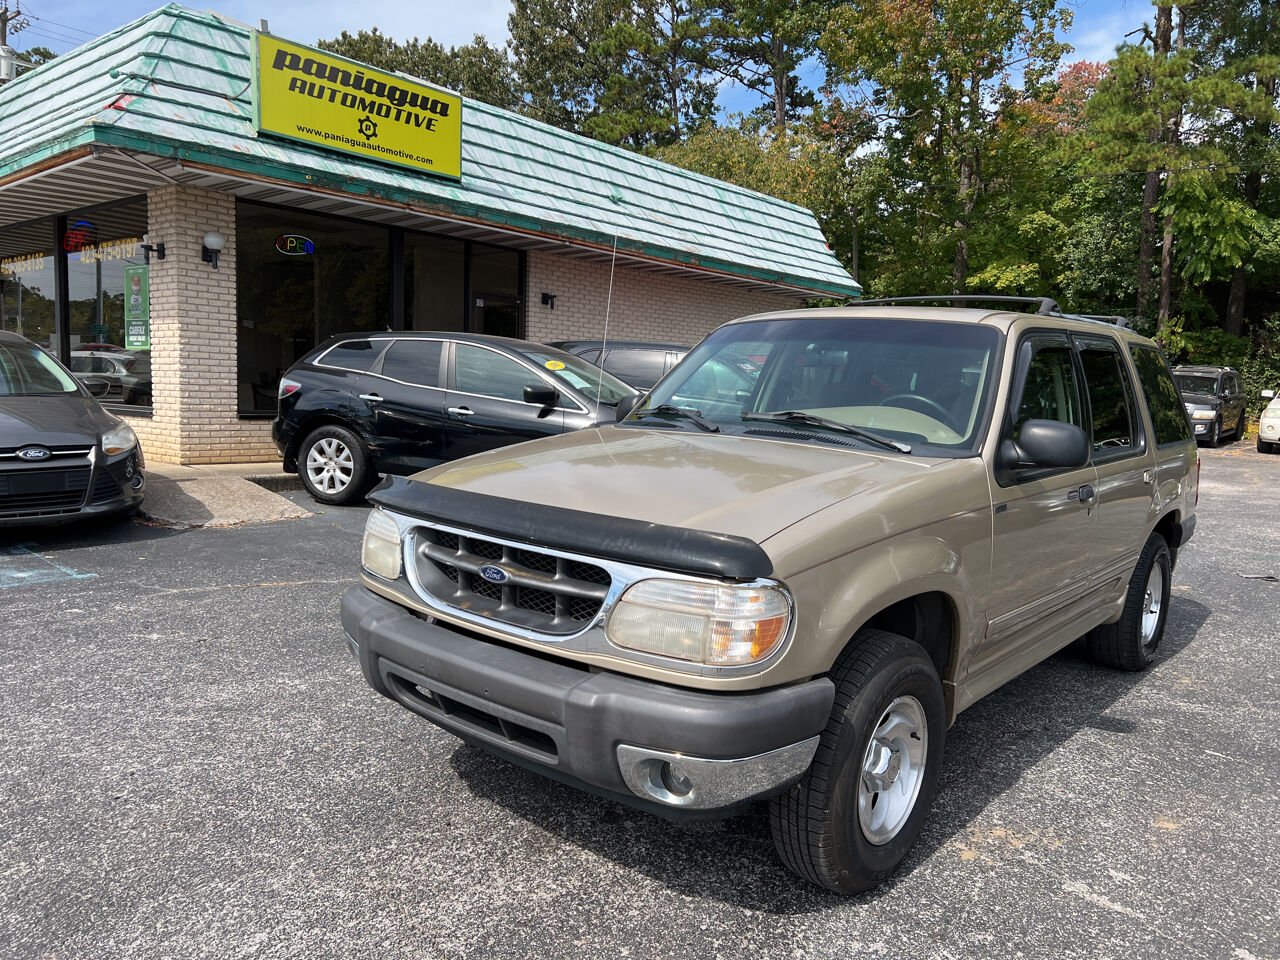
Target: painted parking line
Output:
{"points": [[20, 566]]}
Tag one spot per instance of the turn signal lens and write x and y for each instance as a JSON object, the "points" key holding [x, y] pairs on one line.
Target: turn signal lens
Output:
{"points": [[716, 624], [380, 552]]}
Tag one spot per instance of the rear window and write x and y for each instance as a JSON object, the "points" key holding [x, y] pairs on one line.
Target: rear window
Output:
{"points": [[1168, 415], [639, 365], [352, 355]]}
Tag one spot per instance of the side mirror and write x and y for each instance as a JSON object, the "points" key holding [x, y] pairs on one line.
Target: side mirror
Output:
{"points": [[1268, 394], [96, 386], [626, 405], [541, 394], [1046, 445]]}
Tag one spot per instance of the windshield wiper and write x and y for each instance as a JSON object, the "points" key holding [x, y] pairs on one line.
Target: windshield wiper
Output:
{"points": [[812, 420], [671, 410]]}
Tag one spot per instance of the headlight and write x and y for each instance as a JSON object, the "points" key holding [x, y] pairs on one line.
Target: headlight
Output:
{"points": [[720, 624], [119, 439], [1202, 414], [380, 552]]}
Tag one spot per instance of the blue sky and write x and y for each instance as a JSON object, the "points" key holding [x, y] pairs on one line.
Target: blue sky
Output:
{"points": [[64, 24]]}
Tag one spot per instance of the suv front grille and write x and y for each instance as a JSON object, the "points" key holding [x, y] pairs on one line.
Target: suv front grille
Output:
{"points": [[543, 591]]}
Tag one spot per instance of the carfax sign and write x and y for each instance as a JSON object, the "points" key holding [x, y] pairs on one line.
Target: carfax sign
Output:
{"points": [[316, 97]]}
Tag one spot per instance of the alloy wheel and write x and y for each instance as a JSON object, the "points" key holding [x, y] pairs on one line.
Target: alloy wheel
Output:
{"points": [[892, 770], [330, 466]]}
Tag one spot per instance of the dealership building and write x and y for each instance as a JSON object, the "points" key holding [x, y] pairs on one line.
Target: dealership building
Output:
{"points": [[218, 201]]}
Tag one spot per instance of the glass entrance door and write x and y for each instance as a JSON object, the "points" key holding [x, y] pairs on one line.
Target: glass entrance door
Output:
{"points": [[495, 315]]}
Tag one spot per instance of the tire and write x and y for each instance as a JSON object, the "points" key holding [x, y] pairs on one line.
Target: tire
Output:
{"points": [[1214, 437], [333, 465], [1265, 447], [884, 683], [1240, 424], [1130, 643]]}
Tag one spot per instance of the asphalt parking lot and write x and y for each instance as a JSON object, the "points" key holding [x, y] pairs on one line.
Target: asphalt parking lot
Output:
{"points": [[191, 766]]}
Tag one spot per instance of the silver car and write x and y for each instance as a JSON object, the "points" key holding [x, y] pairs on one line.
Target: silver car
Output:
{"points": [[1269, 425]]}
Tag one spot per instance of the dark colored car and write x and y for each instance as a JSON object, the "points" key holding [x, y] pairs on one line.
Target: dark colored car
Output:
{"points": [[61, 455], [363, 404], [1214, 402], [635, 362]]}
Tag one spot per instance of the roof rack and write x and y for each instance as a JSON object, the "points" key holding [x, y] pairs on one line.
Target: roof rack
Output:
{"points": [[1045, 305], [1115, 321]]}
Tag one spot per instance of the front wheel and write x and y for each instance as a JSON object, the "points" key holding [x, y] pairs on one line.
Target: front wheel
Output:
{"points": [[1240, 425], [1130, 643], [1214, 435], [1264, 447], [333, 465], [853, 817]]}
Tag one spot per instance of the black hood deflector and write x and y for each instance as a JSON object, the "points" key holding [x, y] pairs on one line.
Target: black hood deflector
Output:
{"points": [[699, 552]]}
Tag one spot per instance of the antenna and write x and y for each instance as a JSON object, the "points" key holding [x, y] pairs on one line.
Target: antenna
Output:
{"points": [[608, 304]]}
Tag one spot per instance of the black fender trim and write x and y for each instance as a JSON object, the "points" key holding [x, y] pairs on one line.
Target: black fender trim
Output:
{"points": [[698, 552]]}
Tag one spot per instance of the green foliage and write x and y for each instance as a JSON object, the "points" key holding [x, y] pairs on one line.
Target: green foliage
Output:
{"points": [[478, 70], [1213, 346], [1261, 370]]}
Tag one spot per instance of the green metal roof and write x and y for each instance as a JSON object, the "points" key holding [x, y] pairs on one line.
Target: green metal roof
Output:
{"points": [[176, 83]]}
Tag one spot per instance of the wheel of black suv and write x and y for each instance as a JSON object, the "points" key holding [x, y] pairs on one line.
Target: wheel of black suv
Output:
{"points": [[1130, 643], [1215, 433], [1239, 431], [849, 823], [334, 465]]}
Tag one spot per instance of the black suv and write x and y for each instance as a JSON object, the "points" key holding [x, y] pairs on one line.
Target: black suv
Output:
{"points": [[1214, 402], [363, 404], [636, 362]]}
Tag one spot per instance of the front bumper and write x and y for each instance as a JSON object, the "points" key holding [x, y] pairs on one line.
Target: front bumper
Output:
{"points": [[670, 750]]}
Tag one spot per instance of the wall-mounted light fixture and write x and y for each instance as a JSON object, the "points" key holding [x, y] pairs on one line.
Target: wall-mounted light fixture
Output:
{"points": [[549, 300], [213, 244], [148, 248]]}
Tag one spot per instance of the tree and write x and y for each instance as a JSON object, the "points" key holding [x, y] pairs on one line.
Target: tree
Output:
{"points": [[662, 90], [1239, 46], [761, 44], [935, 76], [561, 67], [477, 70]]}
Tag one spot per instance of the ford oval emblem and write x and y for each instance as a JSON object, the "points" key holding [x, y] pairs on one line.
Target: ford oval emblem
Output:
{"points": [[494, 574], [34, 453]]}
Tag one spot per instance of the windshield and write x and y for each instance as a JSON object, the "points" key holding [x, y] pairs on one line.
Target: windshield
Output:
{"points": [[27, 371], [1189, 383], [911, 381], [588, 379]]}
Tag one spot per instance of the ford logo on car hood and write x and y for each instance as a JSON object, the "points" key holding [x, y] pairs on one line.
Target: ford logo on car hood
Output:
{"points": [[494, 574], [34, 453]]}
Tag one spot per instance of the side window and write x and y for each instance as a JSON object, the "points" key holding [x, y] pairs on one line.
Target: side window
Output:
{"points": [[1050, 391], [591, 356], [646, 366], [80, 364], [489, 374], [1168, 415], [1115, 426], [414, 361], [356, 355]]}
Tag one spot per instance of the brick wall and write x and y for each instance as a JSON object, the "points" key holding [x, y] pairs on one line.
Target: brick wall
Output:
{"points": [[193, 337], [645, 306]]}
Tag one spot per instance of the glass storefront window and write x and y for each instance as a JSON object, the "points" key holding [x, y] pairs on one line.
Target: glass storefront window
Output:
{"points": [[301, 278], [107, 281], [26, 281], [495, 291], [434, 282]]}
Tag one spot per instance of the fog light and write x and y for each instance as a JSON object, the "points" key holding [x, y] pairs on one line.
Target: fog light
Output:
{"points": [[675, 781]]}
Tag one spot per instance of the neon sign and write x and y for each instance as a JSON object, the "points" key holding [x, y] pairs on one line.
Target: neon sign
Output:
{"points": [[293, 245]]}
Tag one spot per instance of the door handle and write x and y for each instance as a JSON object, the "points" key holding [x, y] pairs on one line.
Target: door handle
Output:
{"points": [[1087, 493], [461, 411], [371, 397]]}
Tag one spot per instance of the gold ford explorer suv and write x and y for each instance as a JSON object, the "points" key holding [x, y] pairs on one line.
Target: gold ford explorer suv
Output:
{"points": [[788, 569]]}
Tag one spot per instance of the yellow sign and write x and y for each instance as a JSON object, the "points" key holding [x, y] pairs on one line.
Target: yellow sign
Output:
{"points": [[320, 98]]}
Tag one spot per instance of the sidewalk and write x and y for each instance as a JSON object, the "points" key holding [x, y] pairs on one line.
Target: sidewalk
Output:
{"points": [[219, 495]]}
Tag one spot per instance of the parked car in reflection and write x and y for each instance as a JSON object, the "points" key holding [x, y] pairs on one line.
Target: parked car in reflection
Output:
{"points": [[135, 384], [61, 455], [636, 362], [364, 404]]}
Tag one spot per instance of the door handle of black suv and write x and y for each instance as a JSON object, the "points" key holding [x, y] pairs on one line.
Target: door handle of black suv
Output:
{"points": [[371, 397], [461, 411]]}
